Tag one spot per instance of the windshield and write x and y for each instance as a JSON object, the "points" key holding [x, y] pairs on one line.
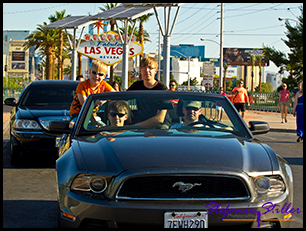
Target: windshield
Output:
{"points": [[48, 96], [181, 112]]}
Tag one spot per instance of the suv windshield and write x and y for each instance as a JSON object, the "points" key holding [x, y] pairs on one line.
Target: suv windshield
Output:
{"points": [[127, 112]]}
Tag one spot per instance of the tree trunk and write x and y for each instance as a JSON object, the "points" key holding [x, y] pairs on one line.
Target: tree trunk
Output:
{"points": [[141, 42], [49, 62], [80, 63], [252, 83], [60, 55], [259, 80], [53, 66]]}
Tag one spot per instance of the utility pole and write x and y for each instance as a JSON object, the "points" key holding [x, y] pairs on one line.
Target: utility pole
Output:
{"points": [[159, 55], [221, 46]]}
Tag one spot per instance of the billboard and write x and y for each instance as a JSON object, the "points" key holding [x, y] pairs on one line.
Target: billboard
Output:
{"points": [[18, 66], [18, 56], [242, 56]]}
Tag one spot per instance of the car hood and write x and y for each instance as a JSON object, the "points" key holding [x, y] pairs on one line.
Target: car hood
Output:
{"points": [[37, 113], [212, 153]]}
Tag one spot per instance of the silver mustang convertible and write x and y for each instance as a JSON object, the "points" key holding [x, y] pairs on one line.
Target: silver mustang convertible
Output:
{"points": [[168, 159]]}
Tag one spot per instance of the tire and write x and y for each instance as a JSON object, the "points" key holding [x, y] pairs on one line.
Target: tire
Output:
{"points": [[14, 152]]}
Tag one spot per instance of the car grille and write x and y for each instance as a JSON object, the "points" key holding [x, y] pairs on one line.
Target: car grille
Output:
{"points": [[161, 187]]}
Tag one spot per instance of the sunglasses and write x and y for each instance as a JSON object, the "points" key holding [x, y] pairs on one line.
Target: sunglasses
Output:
{"points": [[172, 85], [192, 108], [114, 114], [95, 73]]}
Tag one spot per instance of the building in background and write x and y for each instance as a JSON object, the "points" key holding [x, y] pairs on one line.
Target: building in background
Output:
{"points": [[16, 61], [275, 79], [180, 69], [187, 50]]}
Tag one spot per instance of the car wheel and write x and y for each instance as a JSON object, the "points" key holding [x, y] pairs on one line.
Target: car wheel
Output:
{"points": [[15, 151]]}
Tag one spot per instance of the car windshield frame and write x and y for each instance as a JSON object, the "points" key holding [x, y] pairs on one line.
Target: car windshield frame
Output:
{"points": [[239, 128]]}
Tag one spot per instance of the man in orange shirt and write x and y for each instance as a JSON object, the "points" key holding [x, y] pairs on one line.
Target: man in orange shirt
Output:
{"points": [[241, 98], [94, 85]]}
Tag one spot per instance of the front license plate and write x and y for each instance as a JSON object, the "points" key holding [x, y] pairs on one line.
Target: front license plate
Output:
{"points": [[186, 220]]}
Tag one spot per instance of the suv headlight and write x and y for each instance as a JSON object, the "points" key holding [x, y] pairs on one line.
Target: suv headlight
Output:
{"points": [[87, 183], [26, 124], [273, 186]]}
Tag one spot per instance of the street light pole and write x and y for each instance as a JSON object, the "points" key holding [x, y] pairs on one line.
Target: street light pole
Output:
{"points": [[221, 47], [287, 19]]}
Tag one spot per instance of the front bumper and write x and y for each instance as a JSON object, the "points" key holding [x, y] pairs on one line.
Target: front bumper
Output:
{"points": [[29, 142], [97, 212]]}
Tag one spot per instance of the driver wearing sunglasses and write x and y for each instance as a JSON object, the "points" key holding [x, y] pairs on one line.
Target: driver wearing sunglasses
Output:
{"points": [[118, 113], [94, 85], [192, 111]]}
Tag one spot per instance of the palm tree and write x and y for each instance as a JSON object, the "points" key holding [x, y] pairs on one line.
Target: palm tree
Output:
{"points": [[225, 67], [106, 7], [45, 41], [253, 59], [142, 20], [136, 33], [260, 70], [53, 18]]}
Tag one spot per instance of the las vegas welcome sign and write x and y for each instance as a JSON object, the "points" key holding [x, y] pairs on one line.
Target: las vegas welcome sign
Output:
{"points": [[107, 47]]}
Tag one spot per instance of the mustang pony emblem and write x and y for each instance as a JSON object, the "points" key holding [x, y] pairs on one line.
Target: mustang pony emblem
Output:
{"points": [[185, 187]]}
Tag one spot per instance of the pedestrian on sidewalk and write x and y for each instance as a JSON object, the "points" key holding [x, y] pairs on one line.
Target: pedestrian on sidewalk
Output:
{"points": [[298, 112], [241, 98], [284, 102]]}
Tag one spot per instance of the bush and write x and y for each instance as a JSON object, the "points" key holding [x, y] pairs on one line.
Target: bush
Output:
{"points": [[18, 83], [265, 87]]}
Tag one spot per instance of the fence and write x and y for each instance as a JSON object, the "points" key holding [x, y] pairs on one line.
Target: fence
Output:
{"points": [[268, 102], [259, 101]]}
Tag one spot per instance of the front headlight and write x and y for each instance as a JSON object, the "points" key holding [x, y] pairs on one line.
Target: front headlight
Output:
{"points": [[273, 186], [87, 183], [26, 124], [45, 121]]}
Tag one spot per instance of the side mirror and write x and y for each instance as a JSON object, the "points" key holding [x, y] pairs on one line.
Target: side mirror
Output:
{"points": [[59, 127], [10, 102], [259, 127]]}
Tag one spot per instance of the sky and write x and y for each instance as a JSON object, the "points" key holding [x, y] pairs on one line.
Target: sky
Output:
{"points": [[246, 25]]}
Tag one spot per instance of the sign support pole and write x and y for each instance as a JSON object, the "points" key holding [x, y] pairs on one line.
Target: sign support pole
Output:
{"points": [[125, 61], [125, 64], [74, 56], [167, 41]]}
